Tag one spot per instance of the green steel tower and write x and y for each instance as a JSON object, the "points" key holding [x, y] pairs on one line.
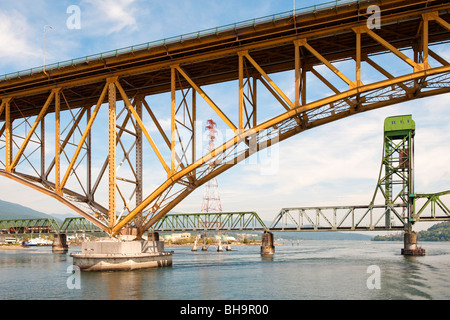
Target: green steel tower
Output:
{"points": [[396, 180]]}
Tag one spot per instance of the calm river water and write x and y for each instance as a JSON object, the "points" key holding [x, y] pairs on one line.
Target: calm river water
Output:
{"points": [[320, 270]]}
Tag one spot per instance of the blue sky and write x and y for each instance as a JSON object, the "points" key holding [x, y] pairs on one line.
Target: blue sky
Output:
{"points": [[108, 25], [337, 164]]}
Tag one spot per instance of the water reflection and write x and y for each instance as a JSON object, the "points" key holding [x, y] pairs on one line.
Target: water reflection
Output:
{"points": [[313, 270]]}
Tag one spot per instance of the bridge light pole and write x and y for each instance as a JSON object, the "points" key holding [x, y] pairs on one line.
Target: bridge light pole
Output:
{"points": [[43, 44]]}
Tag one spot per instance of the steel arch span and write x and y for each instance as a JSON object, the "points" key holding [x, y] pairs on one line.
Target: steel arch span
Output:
{"points": [[99, 163]]}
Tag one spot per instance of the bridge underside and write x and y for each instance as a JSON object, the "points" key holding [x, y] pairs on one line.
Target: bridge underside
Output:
{"points": [[130, 163]]}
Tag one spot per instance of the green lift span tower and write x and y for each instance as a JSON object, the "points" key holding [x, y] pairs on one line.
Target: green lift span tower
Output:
{"points": [[396, 179]]}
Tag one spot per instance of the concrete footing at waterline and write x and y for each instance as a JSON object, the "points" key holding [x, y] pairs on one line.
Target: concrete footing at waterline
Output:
{"points": [[122, 256], [410, 245], [60, 243], [267, 244]]}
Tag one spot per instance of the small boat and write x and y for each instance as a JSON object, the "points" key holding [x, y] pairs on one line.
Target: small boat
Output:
{"points": [[38, 242]]}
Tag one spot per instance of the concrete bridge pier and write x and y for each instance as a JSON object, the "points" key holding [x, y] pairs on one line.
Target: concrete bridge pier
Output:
{"points": [[60, 243], [410, 245], [267, 244], [116, 255]]}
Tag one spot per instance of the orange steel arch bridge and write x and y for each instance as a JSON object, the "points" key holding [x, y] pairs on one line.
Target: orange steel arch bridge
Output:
{"points": [[84, 131]]}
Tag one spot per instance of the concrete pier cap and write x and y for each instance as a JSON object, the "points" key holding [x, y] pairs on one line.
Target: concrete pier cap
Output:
{"points": [[115, 255]]}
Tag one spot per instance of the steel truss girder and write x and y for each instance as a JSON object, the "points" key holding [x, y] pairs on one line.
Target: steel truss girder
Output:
{"points": [[223, 221], [341, 218], [78, 225], [28, 226], [185, 171], [434, 208]]}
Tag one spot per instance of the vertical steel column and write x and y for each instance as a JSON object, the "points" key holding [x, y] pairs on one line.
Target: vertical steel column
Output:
{"points": [[139, 177], [112, 153], [358, 57], [88, 158], [241, 91], [254, 98], [172, 120], [388, 182], [300, 75], [425, 41], [43, 149], [303, 86], [8, 134], [410, 191], [194, 129], [57, 142], [297, 73], [251, 96]]}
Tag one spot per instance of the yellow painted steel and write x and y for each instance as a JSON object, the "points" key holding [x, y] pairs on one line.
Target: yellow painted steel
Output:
{"points": [[304, 43], [241, 90], [207, 99], [442, 22], [269, 80], [32, 129], [84, 136], [172, 118], [142, 127], [58, 142], [112, 216], [2, 107], [8, 135], [390, 47], [297, 44]]}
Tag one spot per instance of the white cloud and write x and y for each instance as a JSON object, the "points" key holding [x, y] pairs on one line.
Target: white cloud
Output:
{"points": [[110, 16], [15, 37]]}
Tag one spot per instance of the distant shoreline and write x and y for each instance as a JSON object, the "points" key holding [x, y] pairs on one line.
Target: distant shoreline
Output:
{"points": [[211, 244], [9, 247]]}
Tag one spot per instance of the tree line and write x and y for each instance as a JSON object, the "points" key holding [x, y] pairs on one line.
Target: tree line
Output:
{"points": [[438, 232]]}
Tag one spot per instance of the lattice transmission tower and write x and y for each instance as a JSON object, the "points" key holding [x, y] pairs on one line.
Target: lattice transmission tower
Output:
{"points": [[211, 197]]}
